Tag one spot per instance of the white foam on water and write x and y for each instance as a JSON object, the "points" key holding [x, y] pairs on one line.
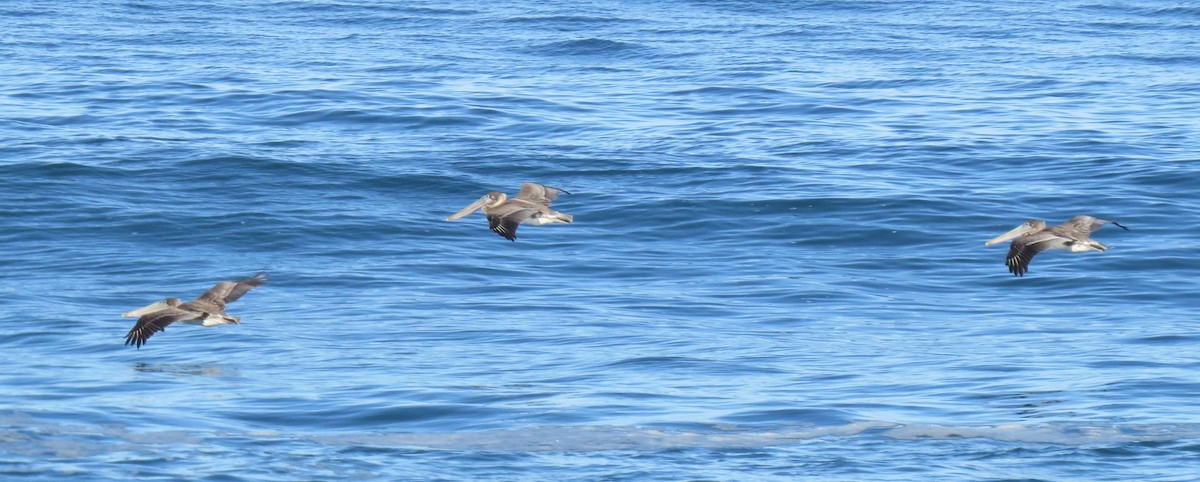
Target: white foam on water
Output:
{"points": [[1064, 434], [599, 438], [20, 433], [596, 438]]}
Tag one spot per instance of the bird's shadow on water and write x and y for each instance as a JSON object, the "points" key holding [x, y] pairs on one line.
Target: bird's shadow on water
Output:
{"points": [[187, 369]]}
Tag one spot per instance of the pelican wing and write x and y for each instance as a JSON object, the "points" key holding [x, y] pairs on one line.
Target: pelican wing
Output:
{"points": [[538, 193], [504, 221], [1085, 225], [1022, 249], [259, 279], [155, 322], [229, 291]]}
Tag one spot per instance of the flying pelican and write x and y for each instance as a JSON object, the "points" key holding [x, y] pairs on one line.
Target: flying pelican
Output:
{"points": [[207, 310], [1034, 236], [531, 206]]}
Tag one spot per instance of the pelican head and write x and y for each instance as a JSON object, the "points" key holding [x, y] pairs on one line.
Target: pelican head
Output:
{"points": [[151, 308], [489, 200], [1030, 226]]}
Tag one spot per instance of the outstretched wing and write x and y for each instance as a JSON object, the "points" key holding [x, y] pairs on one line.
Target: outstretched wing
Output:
{"points": [[155, 322], [1022, 250], [538, 193], [229, 291], [505, 221], [259, 279], [1085, 225]]}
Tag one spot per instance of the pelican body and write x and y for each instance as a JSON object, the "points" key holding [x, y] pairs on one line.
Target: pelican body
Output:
{"points": [[207, 310], [1034, 236], [531, 206]]}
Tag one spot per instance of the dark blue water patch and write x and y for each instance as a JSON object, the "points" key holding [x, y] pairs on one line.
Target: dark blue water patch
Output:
{"points": [[572, 23], [530, 103], [440, 11], [1128, 363], [658, 362], [1172, 12], [1165, 340], [392, 417], [1056, 89], [206, 168], [637, 396], [1123, 25], [1160, 59], [596, 48], [367, 10], [40, 173], [410, 119], [751, 92], [427, 67], [1178, 11], [789, 417], [782, 8], [23, 11], [880, 84]]}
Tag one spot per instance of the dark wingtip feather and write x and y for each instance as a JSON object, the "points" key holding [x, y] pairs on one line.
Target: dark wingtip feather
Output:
{"points": [[133, 339], [503, 227], [1018, 268], [139, 335], [1017, 264], [1017, 271], [506, 235]]}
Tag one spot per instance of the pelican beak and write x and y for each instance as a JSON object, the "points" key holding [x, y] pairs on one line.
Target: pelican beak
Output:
{"points": [[145, 310], [469, 209], [1016, 232]]}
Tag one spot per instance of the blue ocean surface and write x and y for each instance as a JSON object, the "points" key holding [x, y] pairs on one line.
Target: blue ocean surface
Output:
{"points": [[776, 269]]}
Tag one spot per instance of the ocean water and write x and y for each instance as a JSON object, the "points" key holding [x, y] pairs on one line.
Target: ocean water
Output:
{"points": [[776, 269]]}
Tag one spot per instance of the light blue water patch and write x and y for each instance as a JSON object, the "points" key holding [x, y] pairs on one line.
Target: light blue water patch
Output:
{"points": [[776, 269]]}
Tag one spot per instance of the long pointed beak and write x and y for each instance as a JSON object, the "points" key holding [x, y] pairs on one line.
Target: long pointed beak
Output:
{"points": [[1016, 232], [145, 310], [1119, 225], [468, 210]]}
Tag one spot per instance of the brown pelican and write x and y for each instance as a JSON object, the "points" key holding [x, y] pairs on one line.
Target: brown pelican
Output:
{"points": [[207, 310], [1034, 237], [531, 206]]}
